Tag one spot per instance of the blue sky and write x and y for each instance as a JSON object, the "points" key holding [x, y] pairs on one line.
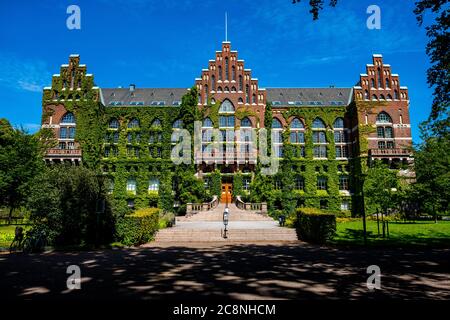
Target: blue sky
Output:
{"points": [[166, 43]]}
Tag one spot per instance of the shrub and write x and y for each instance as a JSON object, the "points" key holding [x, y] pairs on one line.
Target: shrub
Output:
{"points": [[139, 227], [315, 226], [166, 219]]}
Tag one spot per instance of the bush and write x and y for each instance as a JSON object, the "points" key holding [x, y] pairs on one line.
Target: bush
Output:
{"points": [[166, 219], [139, 227], [315, 226]]}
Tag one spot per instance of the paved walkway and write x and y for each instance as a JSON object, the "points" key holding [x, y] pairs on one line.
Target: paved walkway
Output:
{"points": [[209, 271]]}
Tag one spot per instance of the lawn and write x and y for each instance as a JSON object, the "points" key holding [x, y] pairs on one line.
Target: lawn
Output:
{"points": [[7, 235], [415, 233]]}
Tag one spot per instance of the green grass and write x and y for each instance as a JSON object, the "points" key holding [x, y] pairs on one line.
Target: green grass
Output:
{"points": [[416, 233], [7, 235]]}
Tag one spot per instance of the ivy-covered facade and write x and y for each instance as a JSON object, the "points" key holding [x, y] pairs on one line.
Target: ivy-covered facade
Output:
{"points": [[322, 138]]}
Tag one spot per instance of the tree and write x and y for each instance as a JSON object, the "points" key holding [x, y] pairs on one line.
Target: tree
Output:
{"points": [[380, 187], [70, 204], [20, 161], [437, 49], [432, 166]]}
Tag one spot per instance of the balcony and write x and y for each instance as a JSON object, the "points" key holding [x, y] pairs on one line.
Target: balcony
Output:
{"points": [[397, 152], [64, 152]]}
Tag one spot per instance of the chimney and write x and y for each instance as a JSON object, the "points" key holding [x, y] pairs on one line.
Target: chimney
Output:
{"points": [[132, 87]]}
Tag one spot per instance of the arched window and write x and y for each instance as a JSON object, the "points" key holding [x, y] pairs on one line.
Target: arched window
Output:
{"points": [[207, 123], [241, 84], [379, 78], [206, 93], [68, 118], [318, 124], [373, 83], [240, 100], [134, 123], [297, 124], [233, 89], [131, 185], [382, 97], [113, 124], [246, 123], [389, 96], [213, 83], [220, 72], [247, 98], [227, 69], [276, 124], [178, 124], [395, 94], [226, 107], [254, 98], [153, 184], [383, 117], [387, 83], [219, 89], [374, 97], [156, 123], [233, 73], [366, 95], [338, 123], [297, 134], [227, 89]]}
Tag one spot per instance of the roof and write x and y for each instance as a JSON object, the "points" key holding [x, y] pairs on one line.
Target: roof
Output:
{"points": [[278, 96], [309, 96], [142, 96]]}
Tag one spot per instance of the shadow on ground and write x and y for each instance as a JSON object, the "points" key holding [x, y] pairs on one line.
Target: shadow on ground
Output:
{"points": [[293, 271]]}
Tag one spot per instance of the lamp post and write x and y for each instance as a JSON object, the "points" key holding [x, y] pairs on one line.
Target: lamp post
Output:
{"points": [[225, 222]]}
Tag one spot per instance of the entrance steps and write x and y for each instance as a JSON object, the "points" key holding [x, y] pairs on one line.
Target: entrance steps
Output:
{"points": [[244, 227], [183, 235]]}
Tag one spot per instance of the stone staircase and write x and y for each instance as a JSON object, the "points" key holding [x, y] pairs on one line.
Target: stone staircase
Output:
{"points": [[244, 227]]}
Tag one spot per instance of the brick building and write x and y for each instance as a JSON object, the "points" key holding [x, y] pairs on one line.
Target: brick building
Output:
{"points": [[333, 132]]}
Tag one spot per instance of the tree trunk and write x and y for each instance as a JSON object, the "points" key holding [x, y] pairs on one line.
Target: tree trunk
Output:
{"points": [[10, 215]]}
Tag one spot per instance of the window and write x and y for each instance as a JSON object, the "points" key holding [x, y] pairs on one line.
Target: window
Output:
{"points": [[207, 123], [115, 137], [246, 123], [63, 133], [134, 123], [246, 183], [129, 138], [279, 151], [153, 184], [338, 123], [299, 183], [276, 124], [226, 107], [383, 117], [387, 83], [247, 98], [226, 121], [297, 137], [319, 137], [345, 205], [342, 152], [390, 144], [339, 136], [178, 124], [322, 183], [62, 146], [297, 124], [110, 186], [220, 73], [323, 204], [385, 133], [68, 118], [233, 74], [381, 145], [277, 183], [240, 83], [227, 69], [213, 83], [131, 185], [318, 124], [343, 183], [320, 152], [156, 123], [130, 204], [113, 124]]}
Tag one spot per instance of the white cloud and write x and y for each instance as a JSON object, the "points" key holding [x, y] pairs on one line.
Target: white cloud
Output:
{"points": [[23, 74]]}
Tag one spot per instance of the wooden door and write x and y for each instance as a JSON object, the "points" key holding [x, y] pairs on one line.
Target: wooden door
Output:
{"points": [[226, 193]]}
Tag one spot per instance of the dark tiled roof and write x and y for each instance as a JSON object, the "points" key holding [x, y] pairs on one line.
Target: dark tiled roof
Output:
{"points": [[278, 96], [142, 96], [308, 96]]}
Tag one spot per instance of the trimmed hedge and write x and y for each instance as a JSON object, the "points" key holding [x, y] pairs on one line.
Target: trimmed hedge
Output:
{"points": [[139, 227], [315, 226]]}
